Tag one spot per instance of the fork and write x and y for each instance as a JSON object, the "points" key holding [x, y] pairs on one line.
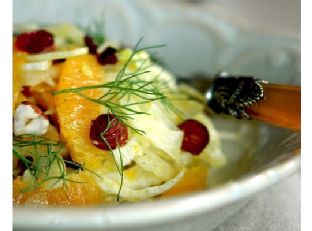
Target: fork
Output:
{"points": [[251, 98]]}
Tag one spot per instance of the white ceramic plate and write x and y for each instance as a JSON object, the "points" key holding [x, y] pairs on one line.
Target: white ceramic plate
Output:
{"points": [[198, 41]]}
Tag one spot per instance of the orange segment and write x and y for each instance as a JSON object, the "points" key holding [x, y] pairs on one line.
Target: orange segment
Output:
{"points": [[75, 113], [18, 185], [42, 95], [194, 179], [84, 193]]}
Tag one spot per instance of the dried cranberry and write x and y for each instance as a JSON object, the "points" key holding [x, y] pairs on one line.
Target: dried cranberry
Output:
{"points": [[196, 136], [90, 44], [34, 42], [26, 91], [108, 56], [53, 119], [113, 131]]}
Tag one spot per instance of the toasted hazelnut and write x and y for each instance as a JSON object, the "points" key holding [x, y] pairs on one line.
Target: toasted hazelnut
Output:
{"points": [[29, 119]]}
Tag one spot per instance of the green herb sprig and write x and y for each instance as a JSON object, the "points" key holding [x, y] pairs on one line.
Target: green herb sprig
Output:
{"points": [[127, 85], [45, 154], [121, 168], [96, 30]]}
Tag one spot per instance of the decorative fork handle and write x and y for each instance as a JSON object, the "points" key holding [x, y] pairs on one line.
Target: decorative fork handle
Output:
{"points": [[248, 97]]}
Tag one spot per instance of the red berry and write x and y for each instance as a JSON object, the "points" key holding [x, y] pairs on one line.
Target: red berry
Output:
{"points": [[34, 42], [195, 138], [113, 131], [108, 56], [53, 119], [26, 91], [90, 44]]}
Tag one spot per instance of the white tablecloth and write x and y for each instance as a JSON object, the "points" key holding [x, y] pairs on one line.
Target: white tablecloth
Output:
{"points": [[276, 209]]}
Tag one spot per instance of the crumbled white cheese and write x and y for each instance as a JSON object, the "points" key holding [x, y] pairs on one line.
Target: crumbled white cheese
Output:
{"points": [[28, 119]]}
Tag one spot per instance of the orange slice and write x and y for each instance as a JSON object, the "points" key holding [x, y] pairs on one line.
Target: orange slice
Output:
{"points": [[194, 179], [42, 95], [84, 193], [75, 113]]}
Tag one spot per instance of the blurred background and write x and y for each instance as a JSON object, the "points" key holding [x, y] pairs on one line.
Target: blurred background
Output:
{"points": [[274, 16]]}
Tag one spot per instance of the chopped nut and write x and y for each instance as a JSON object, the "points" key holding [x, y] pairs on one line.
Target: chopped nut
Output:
{"points": [[29, 119]]}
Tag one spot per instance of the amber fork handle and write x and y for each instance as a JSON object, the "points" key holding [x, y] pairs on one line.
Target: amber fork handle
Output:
{"points": [[248, 97], [281, 106]]}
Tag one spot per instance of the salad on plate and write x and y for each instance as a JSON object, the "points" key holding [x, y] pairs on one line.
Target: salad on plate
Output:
{"points": [[99, 123]]}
